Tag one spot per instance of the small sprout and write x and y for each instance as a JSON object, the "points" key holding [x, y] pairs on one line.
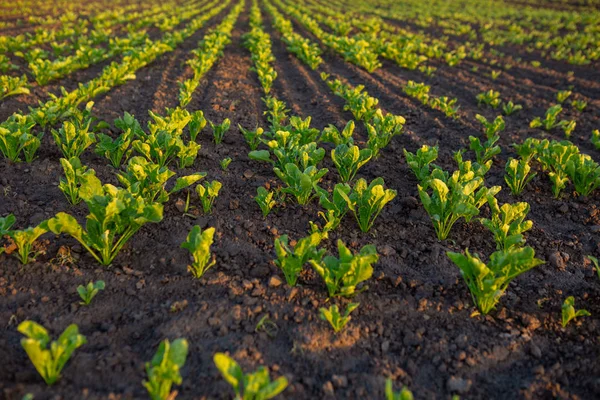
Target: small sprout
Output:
{"points": [[568, 127], [252, 137], [596, 138], [517, 175], [495, 74], [404, 394], [265, 201], [220, 129], [333, 316], [49, 362], [579, 105], [510, 108], [88, 292], [164, 369], [594, 261], [265, 324], [569, 313], [196, 124], [208, 194], [563, 95], [253, 386], [198, 242], [225, 163], [491, 98], [24, 240], [291, 260]]}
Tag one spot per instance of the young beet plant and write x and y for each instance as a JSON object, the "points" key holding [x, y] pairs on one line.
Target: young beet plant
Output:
{"points": [[77, 178], [488, 282], [348, 159], [486, 151], [24, 240], [300, 184], [336, 206], [16, 139], [253, 386], [219, 130], [49, 362], [507, 223], [89, 291], [569, 313], [164, 369], [342, 275], [115, 215], [517, 175], [291, 260], [198, 242], [208, 193], [332, 315], [403, 394], [366, 202], [265, 201], [420, 163]]}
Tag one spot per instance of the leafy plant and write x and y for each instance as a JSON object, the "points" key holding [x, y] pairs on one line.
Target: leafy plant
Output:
{"points": [[196, 124], [208, 194], [381, 129], [24, 240], [594, 261], [510, 108], [584, 172], [89, 291], [331, 134], [336, 207], [596, 138], [550, 120], [366, 202], [486, 151], [333, 316], [291, 259], [225, 163], [563, 95], [72, 138], [164, 369], [198, 242], [507, 223], [342, 275], [419, 163], [348, 159], [77, 177], [517, 175], [569, 313], [16, 138], [49, 362], [252, 137], [114, 149], [265, 201], [490, 98], [300, 184], [219, 130], [568, 127], [115, 215], [403, 394], [253, 386], [579, 105], [488, 283]]}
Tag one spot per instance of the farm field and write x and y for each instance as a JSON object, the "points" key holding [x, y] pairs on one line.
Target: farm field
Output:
{"points": [[371, 199]]}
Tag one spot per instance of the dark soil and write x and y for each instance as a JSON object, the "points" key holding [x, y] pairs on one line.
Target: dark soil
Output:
{"points": [[415, 321]]}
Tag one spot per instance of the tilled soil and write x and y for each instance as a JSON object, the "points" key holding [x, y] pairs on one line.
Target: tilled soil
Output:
{"points": [[415, 323]]}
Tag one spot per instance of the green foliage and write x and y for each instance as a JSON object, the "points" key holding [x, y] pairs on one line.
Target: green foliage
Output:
{"points": [[569, 313], [291, 259], [488, 283], [336, 207], [332, 135], [13, 85], [208, 194], [164, 369], [253, 386], [348, 160], [366, 202], [300, 184], [579, 105], [198, 242], [24, 239], [114, 149], [335, 319], [49, 362], [507, 223], [563, 95], [486, 151], [453, 197], [224, 163], [491, 98], [252, 137], [219, 130], [419, 163], [550, 120], [594, 261], [404, 394], [510, 108], [196, 124], [584, 173], [89, 291], [265, 201], [596, 138], [77, 177], [115, 215], [342, 275], [72, 139], [517, 175], [16, 138], [381, 129]]}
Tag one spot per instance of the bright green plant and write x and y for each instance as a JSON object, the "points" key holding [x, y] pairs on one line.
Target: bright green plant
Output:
{"points": [[568, 127], [253, 386], [72, 139], [453, 197], [224, 163], [491, 98], [291, 260], [24, 239], [89, 291], [115, 215], [488, 283], [569, 313], [114, 149], [265, 201], [381, 129], [403, 394], [486, 151], [219, 130], [331, 134], [348, 160], [300, 184], [554, 157], [550, 120], [49, 362], [366, 202], [198, 242], [335, 319], [510, 108], [507, 223], [77, 177], [208, 193], [596, 138], [336, 207], [584, 172], [342, 275], [594, 261], [13, 85], [517, 175], [196, 124], [252, 137], [420, 162], [164, 369], [16, 138], [579, 105], [563, 95]]}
